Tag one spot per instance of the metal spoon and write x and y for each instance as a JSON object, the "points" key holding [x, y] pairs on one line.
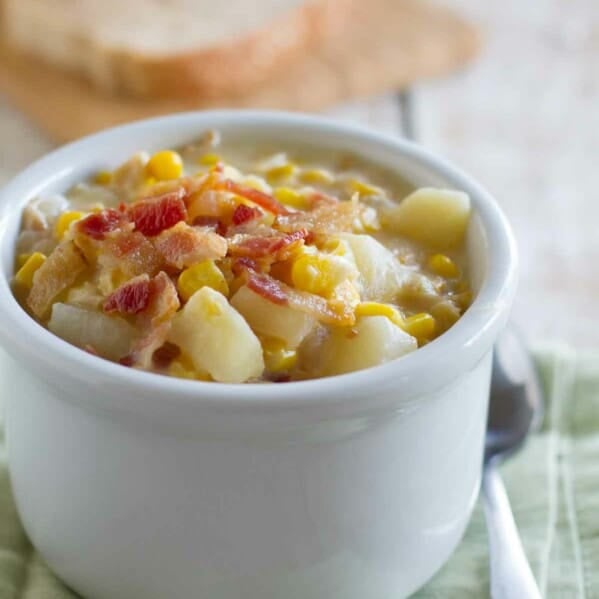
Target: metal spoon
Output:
{"points": [[516, 408]]}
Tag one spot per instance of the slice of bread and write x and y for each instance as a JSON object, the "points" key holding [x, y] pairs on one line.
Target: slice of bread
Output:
{"points": [[160, 48]]}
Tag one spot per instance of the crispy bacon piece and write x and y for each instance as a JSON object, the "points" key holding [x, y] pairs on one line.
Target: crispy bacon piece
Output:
{"points": [[131, 252], [263, 200], [154, 300], [156, 320], [58, 272], [277, 246], [243, 214], [153, 215], [212, 222], [278, 292], [182, 245], [130, 298], [163, 301], [165, 354], [319, 197], [268, 288], [188, 185], [325, 218], [99, 224], [143, 349], [210, 202], [240, 265]]}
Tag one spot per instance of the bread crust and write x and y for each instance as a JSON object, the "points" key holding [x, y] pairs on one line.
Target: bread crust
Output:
{"points": [[228, 68], [386, 45]]}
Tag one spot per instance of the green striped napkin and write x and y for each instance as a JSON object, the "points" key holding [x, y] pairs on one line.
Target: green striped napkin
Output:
{"points": [[553, 485]]}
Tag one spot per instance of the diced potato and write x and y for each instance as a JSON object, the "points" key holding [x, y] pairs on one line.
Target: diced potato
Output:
{"points": [[29, 242], [86, 295], [446, 314], [131, 174], [84, 197], [40, 211], [372, 341], [435, 217], [230, 172], [272, 320], [381, 274], [110, 336], [419, 292], [271, 162], [217, 338]]}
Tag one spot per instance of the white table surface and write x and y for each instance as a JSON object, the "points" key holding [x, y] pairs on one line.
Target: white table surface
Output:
{"points": [[524, 120]]}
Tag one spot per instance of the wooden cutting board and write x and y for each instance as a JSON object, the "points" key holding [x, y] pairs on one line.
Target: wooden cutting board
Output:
{"points": [[388, 45]]}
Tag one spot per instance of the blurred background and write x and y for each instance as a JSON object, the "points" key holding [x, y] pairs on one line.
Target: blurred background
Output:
{"points": [[506, 89]]}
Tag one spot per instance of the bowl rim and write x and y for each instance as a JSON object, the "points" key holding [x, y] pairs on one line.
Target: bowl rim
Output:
{"points": [[456, 351]]}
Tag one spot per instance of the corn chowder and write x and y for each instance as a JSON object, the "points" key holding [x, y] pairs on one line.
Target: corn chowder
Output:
{"points": [[224, 262]]}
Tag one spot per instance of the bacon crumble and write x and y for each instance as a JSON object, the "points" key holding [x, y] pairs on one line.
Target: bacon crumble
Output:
{"points": [[99, 224], [243, 214], [153, 215], [182, 246], [264, 200], [130, 298]]}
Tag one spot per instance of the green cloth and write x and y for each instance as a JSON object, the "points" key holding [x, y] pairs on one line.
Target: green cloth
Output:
{"points": [[553, 486]]}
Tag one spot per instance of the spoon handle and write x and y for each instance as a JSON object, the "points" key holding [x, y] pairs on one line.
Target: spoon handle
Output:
{"points": [[511, 577]]}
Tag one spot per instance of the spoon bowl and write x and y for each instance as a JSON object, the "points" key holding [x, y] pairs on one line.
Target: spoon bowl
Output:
{"points": [[516, 403], [515, 409]]}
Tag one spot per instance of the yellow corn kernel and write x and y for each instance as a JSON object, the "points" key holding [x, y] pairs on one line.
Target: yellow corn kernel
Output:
{"points": [[363, 188], [202, 274], [291, 197], [103, 178], [22, 258], [284, 171], [278, 358], [463, 299], [183, 368], [209, 159], [25, 274], [443, 266], [313, 274], [165, 165], [317, 176], [337, 247], [321, 273], [461, 286], [421, 325], [378, 309], [64, 221]]}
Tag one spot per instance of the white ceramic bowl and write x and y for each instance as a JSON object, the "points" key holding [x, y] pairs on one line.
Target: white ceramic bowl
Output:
{"points": [[359, 486]]}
